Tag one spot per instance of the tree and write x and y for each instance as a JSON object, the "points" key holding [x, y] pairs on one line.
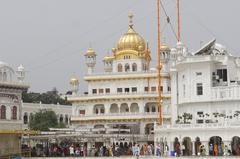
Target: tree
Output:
{"points": [[50, 97], [43, 120]]}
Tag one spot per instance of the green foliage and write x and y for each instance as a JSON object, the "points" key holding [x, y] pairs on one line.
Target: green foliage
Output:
{"points": [[61, 125], [50, 97], [43, 120]]}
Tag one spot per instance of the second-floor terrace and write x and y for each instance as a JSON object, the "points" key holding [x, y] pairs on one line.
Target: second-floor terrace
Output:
{"points": [[119, 116], [123, 95]]}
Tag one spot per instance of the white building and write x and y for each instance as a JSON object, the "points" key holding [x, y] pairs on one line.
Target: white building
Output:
{"points": [[122, 99], [11, 88], [206, 98]]}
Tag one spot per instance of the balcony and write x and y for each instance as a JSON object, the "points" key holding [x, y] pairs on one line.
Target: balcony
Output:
{"points": [[118, 116], [225, 93], [123, 75], [205, 126], [88, 97]]}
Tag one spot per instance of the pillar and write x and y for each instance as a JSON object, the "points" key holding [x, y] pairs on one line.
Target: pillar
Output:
{"points": [[142, 128], [193, 148]]}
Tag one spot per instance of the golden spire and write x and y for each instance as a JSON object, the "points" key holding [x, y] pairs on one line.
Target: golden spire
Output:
{"points": [[130, 16]]}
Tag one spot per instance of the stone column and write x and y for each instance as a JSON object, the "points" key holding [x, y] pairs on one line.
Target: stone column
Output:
{"points": [[193, 148], [107, 108], [142, 128]]}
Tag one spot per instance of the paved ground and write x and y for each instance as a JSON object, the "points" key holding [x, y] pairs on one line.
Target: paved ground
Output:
{"points": [[142, 157]]}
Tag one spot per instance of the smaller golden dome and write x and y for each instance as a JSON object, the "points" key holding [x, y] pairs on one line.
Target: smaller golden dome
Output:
{"points": [[90, 52], [108, 58], [74, 81], [165, 47], [114, 50]]}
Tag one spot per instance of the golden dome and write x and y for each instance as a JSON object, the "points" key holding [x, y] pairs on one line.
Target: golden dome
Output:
{"points": [[90, 52], [131, 44], [108, 58], [131, 41], [165, 47], [74, 81]]}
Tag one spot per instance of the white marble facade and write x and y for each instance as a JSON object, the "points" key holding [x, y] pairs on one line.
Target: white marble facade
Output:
{"points": [[205, 96]]}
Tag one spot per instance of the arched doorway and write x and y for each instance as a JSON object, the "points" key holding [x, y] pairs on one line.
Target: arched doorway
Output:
{"points": [[14, 113], [114, 108], [25, 118], [149, 128], [99, 109], [150, 107], [197, 145], [127, 67], [215, 146], [124, 108], [3, 112], [119, 67], [235, 145], [61, 118], [187, 146], [134, 108], [134, 67]]}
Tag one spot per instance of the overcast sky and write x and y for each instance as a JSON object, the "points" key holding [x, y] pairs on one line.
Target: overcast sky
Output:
{"points": [[50, 37]]}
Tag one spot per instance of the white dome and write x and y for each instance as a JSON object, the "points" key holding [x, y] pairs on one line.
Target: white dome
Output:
{"points": [[20, 68], [2, 64]]}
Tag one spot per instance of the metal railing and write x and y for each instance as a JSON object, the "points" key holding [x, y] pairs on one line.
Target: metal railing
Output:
{"points": [[204, 126]]}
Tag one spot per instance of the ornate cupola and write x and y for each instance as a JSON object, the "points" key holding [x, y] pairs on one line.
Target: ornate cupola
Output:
{"points": [[108, 63], [74, 82], [131, 45], [20, 73], [165, 56], [90, 58]]}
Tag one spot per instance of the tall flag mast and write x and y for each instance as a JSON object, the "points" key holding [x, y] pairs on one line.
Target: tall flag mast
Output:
{"points": [[159, 66], [178, 14]]}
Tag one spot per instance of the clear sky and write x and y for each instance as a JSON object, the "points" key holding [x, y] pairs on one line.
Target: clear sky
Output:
{"points": [[50, 37]]}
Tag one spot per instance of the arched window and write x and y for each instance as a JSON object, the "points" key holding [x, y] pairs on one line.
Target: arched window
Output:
{"points": [[4, 76], [127, 67], [25, 118], [134, 67], [66, 119], [1, 76], [3, 112], [119, 67], [61, 118], [14, 113]]}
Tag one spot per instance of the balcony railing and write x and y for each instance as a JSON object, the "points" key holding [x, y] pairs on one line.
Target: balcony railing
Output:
{"points": [[117, 116], [109, 95], [197, 126], [226, 93], [122, 73]]}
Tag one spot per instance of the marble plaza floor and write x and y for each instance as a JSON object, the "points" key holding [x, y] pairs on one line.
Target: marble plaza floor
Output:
{"points": [[141, 157]]}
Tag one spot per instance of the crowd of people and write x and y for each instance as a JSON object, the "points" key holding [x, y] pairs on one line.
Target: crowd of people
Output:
{"points": [[81, 150], [124, 149]]}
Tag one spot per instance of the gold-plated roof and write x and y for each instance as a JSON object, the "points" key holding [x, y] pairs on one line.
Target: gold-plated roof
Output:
{"points": [[131, 40], [90, 52], [74, 81], [108, 58], [131, 43]]}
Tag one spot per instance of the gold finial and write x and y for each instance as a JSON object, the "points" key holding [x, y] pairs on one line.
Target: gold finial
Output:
{"points": [[130, 16]]}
